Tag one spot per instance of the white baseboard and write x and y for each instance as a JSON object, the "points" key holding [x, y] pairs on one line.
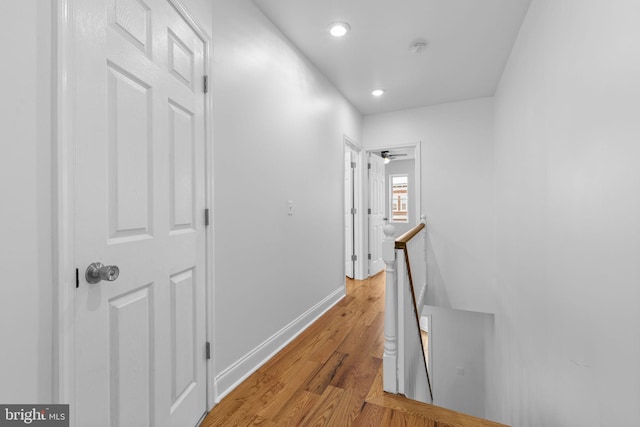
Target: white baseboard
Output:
{"points": [[231, 377]]}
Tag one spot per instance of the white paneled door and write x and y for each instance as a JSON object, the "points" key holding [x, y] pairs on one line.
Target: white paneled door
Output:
{"points": [[140, 340], [349, 212], [377, 212]]}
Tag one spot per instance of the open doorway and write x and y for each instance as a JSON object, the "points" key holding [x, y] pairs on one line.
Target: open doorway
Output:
{"points": [[393, 183], [353, 245]]}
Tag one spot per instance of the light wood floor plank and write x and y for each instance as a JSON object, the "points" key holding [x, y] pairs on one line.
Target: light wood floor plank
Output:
{"points": [[321, 380], [331, 375], [296, 378], [373, 416], [322, 412], [293, 412]]}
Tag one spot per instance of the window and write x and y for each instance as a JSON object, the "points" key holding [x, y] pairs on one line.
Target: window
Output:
{"points": [[399, 198]]}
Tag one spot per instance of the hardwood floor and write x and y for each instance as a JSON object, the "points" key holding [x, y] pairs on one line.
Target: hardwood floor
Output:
{"points": [[331, 375]]}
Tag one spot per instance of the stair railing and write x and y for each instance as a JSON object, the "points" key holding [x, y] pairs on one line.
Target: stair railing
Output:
{"points": [[404, 361]]}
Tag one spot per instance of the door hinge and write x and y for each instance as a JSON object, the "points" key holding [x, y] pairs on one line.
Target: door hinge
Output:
{"points": [[369, 166], [354, 257], [206, 217], [205, 83], [77, 278], [354, 211], [353, 165], [207, 350], [369, 211], [369, 256]]}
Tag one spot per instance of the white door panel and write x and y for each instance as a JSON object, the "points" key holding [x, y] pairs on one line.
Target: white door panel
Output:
{"points": [[376, 218], [140, 198], [348, 213]]}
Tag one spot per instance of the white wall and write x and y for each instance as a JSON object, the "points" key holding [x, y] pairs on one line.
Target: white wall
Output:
{"points": [[25, 175], [278, 136], [457, 194], [461, 340], [568, 216]]}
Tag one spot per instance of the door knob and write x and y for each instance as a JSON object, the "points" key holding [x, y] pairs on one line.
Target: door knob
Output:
{"points": [[97, 272]]}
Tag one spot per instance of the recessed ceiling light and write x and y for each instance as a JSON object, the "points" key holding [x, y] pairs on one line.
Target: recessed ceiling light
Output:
{"points": [[378, 92], [339, 29]]}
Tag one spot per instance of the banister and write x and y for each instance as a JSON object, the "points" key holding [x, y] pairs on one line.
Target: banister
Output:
{"points": [[399, 279], [401, 242]]}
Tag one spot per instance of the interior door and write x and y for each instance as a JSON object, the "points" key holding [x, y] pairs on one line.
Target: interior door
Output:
{"points": [[377, 215], [140, 197], [349, 213]]}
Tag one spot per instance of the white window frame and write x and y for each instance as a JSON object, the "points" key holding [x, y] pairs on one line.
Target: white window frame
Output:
{"points": [[391, 198]]}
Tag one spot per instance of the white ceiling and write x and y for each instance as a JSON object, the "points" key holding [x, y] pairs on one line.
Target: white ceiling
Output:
{"points": [[469, 42]]}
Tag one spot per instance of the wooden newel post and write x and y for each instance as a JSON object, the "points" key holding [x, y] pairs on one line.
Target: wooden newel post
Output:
{"points": [[390, 357]]}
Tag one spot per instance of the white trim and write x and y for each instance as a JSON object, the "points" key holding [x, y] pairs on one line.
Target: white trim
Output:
{"points": [[418, 180], [430, 350], [63, 199], [212, 391], [390, 200], [401, 274], [63, 221], [417, 146], [352, 143], [360, 272], [232, 376], [345, 206], [390, 354]]}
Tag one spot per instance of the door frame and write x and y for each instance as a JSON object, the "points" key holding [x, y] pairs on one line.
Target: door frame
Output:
{"points": [[417, 147], [64, 178], [358, 248]]}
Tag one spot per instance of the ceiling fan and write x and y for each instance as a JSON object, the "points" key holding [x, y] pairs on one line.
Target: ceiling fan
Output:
{"points": [[388, 156]]}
